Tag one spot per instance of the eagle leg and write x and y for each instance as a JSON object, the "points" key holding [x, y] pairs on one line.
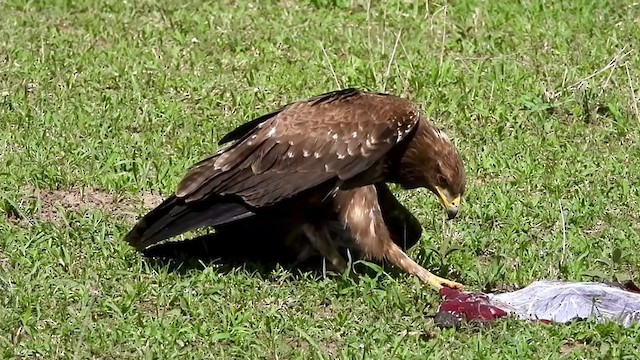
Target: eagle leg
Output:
{"points": [[398, 258], [298, 241], [360, 212], [319, 238], [304, 254]]}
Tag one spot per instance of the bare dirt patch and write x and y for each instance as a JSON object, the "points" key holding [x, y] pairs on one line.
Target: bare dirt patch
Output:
{"points": [[5, 262], [54, 204], [570, 347]]}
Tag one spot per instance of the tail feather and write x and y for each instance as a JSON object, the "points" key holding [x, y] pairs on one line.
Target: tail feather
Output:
{"points": [[175, 216]]}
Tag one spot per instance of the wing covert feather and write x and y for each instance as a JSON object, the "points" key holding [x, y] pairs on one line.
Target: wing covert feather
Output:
{"points": [[333, 136]]}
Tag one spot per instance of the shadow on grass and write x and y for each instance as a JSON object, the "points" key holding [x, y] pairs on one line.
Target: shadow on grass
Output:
{"points": [[228, 252], [256, 247]]}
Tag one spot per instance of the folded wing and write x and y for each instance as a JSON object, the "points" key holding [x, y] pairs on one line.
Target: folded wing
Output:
{"points": [[332, 137]]}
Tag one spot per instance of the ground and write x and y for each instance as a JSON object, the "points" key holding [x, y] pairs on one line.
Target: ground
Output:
{"points": [[105, 104]]}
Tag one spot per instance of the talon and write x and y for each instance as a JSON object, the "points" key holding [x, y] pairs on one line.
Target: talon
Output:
{"points": [[453, 284], [438, 283]]}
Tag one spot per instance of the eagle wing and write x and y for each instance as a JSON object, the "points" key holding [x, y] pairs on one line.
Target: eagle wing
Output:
{"points": [[337, 135]]}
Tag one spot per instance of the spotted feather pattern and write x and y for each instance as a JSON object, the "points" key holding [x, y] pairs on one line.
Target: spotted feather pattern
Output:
{"points": [[332, 137]]}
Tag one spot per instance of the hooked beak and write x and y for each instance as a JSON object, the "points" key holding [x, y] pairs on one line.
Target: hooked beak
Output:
{"points": [[451, 205]]}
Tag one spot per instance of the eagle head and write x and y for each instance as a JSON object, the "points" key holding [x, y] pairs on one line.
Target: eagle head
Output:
{"points": [[431, 160]]}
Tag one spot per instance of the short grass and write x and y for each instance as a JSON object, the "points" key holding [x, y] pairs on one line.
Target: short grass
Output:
{"points": [[541, 98]]}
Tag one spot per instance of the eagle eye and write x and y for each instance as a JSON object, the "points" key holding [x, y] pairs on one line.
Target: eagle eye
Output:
{"points": [[442, 181]]}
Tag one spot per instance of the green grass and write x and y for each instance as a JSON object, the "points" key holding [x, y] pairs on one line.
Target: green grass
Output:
{"points": [[123, 96]]}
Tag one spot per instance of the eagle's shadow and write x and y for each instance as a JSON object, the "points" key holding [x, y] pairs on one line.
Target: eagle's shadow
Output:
{"points": [[226, 253], [254, 253]]}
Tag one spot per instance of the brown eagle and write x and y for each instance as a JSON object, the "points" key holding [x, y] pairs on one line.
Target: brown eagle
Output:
{"points": [[320, 168]]}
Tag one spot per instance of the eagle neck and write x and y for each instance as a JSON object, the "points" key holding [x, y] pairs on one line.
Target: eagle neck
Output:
{"points": [[413, 157]]}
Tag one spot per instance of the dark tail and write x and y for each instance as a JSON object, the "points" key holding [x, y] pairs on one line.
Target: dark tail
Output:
{"points": [[175, 216]]}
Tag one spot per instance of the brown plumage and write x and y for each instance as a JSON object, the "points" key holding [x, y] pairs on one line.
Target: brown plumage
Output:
{"points": [[317, 163]]}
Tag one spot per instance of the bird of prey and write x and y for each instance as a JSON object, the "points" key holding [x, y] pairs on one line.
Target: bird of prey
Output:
{"points": [[320, 165]]}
